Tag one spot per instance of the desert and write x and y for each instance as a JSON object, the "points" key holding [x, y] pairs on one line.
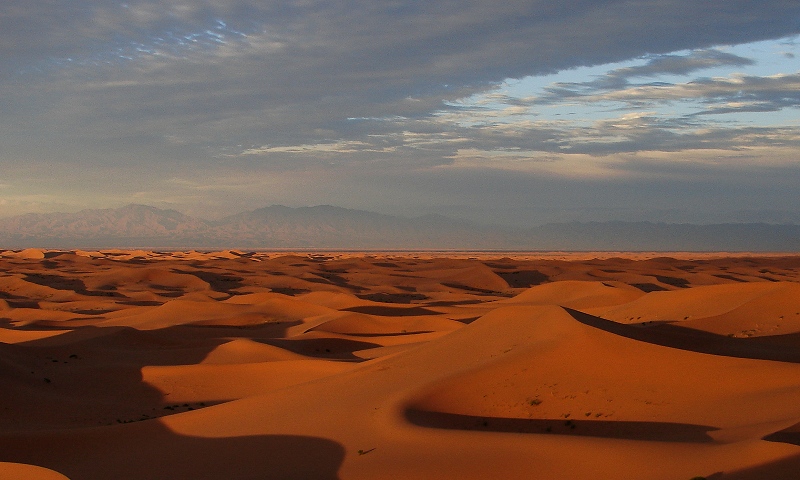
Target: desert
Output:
{"points": [[136, 364], [349, 240]]}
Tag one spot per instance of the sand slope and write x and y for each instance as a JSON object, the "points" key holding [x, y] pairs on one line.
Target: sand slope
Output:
{"points": [[260, 365]]}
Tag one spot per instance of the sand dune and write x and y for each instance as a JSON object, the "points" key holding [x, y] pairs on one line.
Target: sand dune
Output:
{"points": [[134, 365], [31, 472], [577, 294]]}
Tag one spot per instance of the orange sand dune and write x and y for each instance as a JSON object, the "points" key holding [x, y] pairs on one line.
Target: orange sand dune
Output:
{"points": [[28, 472], [577, 294], [338, 365]]}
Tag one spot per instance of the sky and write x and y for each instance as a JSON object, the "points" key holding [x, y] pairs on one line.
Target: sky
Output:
{"points": [[520, 112]]}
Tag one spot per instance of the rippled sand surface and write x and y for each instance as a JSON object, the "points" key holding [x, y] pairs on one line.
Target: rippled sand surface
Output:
{"points": [[414, 365]]}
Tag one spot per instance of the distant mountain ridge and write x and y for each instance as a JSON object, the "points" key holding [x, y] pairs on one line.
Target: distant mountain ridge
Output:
{"points": [[328, 227], [270, 227], [128, 221]]}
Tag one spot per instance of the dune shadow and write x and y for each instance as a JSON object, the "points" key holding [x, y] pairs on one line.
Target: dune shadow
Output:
{"points": [[673, 281], [782, 469], [219, 282], [59, 282], [789, 435], [156, 452], [629, 430], [472, 290], [95, 373], [648, 287], [328, 348], [141, 303], [389, 334], [33, 304], [288, 291], [382, 311], [792, 438], [683, 338], [56, 282], [404, 298], [452, 303], [87, 377], [521, 278], [332, 278]]}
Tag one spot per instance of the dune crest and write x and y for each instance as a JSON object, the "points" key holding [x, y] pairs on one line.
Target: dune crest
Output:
{"points": [[13, 471], [346, 365]]}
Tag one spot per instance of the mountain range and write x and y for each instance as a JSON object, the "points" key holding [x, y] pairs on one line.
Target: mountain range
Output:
{"points": [[328, 227]]}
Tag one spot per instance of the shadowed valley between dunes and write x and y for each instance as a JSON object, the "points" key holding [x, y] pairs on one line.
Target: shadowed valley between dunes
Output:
{"points": [[231, 364]]}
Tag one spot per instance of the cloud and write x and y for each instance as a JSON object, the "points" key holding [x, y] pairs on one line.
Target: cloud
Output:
{"points": [[304, 68], [343, 147], [127, 94], [656, 65], [772, 88], [683, 65]]}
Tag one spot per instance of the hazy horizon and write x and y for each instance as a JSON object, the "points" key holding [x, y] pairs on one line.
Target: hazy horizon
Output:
{"points": [[763, 219], [329, 227]]}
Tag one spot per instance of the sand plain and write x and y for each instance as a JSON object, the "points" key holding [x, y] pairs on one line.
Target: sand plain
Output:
{"points": [[415, 365]]}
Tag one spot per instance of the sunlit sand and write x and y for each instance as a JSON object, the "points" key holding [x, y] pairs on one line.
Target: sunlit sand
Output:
{"points": [[414, 365]]}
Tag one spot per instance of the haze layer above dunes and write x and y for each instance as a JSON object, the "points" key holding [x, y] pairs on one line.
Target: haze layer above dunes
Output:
{"points": [[328, 227], [139, 364]]}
